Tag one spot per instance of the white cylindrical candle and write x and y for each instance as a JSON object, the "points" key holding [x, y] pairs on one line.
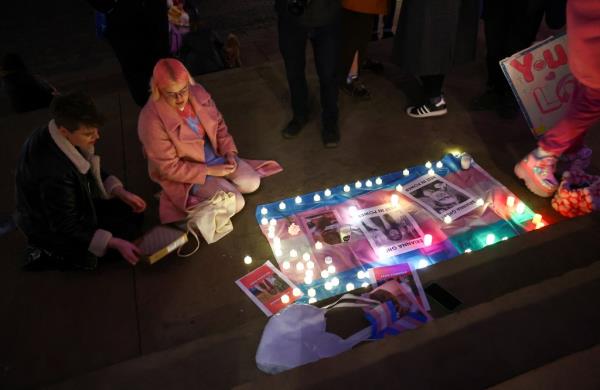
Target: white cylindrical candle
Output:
{"points": [[448, 219], [248, 260], [427, 239], [378, 181], [406, 172], [285, 299], [369, 183], [349, 286], [346, 188], [282, 206], [428, 165], [317, 197], [327, 192], [510, 201], [331, 269], [298, 200], [264, 211]]}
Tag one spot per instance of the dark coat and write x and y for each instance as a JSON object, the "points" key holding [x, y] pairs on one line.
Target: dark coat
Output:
{"points": [[433, 35], [55, 206]]}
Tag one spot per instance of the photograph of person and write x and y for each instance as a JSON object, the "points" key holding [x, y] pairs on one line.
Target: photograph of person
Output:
{"points": [[387, 229], [324, 227], [268, 287], [439, 196]]}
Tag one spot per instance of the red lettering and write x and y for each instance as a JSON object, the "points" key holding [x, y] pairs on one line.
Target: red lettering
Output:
{"points": [[561, 57], [525, 67]]}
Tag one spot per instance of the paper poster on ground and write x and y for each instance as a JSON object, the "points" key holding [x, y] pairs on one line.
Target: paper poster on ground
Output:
{"points": [[440, 197], [265, 286], [402, 273], [389, 231]]}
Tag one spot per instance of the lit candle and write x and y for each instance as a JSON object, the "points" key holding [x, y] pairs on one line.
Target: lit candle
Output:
{"points": [[331, 269], [521, 208], [358, 184], [360, 274], [427, 239], [364, 285], [394, 199], [399, 188], [282, 206], [311, 292], [318, 245], [264, 211], [296, 292], [537, 218], [328, 286], [271, 234], [510, 201], [369, 183], [277, 241], [309, 273], [285, 299], [300, 266], [350, 287], [278, 252], [468, 250], [378, 181], [439, 164], [422, 264], [328, 260], [353, 210], [479, 202], [324, 274], [286, 265], [264, 221], [312, 300], [248, 260], [346, 188], [273, 222], [317, 197], [540, 225], [298, 200], [293, 253], [504, 238], [308, 279], [430, 172], [335, 282], [490, 239], [428, 165], [327, 192], [306, 256], [448, 219], [310, 265], [406, 172]]}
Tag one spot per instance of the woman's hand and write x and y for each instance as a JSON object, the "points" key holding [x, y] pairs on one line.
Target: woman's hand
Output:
{"points": [[137, 204], [129, 251], [220, 170], [231, 158]]}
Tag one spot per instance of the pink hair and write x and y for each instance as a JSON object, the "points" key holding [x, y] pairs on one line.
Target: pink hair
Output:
{"points": [[166, 72]]}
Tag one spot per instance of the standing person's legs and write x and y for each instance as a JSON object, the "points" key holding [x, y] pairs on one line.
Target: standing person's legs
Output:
{"points": [[537, 168], [435, 105], [432, 85], [355, 31], [292, 44], [325, 41]]}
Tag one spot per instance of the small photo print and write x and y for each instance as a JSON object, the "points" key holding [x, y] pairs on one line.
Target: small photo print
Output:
{"points": [[324, 227], [440, 197]]}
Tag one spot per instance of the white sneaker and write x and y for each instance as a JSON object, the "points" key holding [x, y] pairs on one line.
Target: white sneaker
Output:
{"points": [[429, 109]]}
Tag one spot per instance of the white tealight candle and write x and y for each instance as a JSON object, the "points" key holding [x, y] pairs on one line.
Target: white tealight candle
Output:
{"points": [[369, 183], [346, 188], [273, 222], [439, 164], [521, 208], [308, 279], [328, 259], [335, 282], [298, 200], [510, 201], [406, 172], [296, 292], [430, 172], [285, 299], [428, 165], [427, 239], [264, 221], [349, 286], [468, 250], [286, 265], [331, 269], [479, 202], [360, 274], [399, 188], [490, 239], [394, 199], [378, 181], [317, 197], [365, 285], [422, 264], [448, 219], [306, 256], [293, 253], [353, 210], [309, 273], [537, 218], [278, 252], [318, 245], [271, 234], [264, 211], [328, 286], [312, 300], [358, 184], [282, 206], [327, 192], [310, 265], [300, 266], [324, 274], [311, 292], [248, 260], [504, 238]]}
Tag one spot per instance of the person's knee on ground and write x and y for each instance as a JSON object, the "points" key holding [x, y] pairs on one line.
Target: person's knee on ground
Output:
{"points": [[248, 184]]}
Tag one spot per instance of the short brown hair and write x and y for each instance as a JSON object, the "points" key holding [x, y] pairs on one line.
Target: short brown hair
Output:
{"points": [[75, 109]]}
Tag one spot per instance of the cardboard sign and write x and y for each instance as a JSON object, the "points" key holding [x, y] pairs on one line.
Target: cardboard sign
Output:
{"points": [[541, 81]]}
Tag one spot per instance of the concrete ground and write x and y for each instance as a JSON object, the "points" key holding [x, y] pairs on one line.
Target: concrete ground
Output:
{"points": [[530, 304]]}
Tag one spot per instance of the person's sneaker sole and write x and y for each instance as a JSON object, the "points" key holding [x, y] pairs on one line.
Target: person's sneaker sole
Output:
{"points": [[519, 171], [428, 115]]}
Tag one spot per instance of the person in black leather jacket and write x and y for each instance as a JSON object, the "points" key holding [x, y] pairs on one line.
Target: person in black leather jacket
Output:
{"points": [[67, 206]]}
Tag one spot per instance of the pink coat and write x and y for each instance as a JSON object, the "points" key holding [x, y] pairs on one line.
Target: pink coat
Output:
{"points": [[175, 153]]}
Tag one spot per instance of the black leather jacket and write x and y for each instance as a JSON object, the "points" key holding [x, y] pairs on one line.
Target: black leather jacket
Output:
{"points": [[55, 206]]}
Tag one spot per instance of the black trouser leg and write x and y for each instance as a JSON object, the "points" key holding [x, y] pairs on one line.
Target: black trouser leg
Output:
{"points": [[432, 85], [355, 33], [325, 42], [292, 44], [117, 217]]}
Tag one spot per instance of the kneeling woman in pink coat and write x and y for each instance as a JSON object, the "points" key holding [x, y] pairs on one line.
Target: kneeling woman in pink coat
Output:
{"points": [[189, 150]]}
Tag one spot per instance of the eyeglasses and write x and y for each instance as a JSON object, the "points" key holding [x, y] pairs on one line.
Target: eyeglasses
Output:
{"points": [[181, 93]]}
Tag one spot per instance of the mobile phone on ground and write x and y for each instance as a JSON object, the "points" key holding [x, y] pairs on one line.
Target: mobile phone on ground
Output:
{"points": [[442, 296]]}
